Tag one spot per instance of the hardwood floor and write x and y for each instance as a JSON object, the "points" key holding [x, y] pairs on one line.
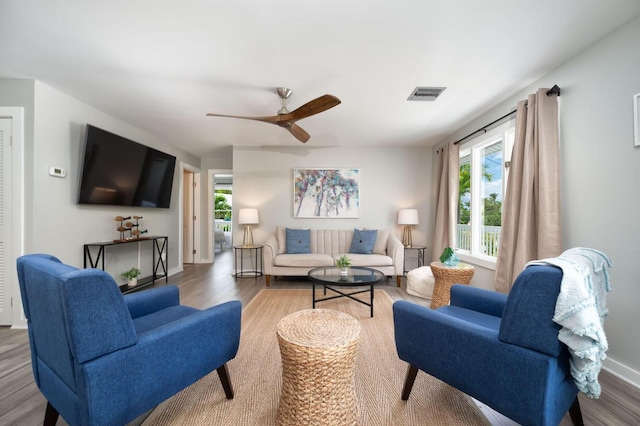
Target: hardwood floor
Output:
{"points": [[202, 286]]}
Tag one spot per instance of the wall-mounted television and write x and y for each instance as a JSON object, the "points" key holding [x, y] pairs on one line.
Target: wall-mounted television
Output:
{"points": [[120, 172]]}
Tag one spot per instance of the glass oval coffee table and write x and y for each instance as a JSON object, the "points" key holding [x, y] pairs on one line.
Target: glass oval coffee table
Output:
{"points": [[330, 279]]}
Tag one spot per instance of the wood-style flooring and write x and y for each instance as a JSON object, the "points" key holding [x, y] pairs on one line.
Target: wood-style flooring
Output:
{"points": [[207, 285]]}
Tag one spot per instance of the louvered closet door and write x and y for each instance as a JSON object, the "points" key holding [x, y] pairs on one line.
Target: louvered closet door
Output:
{"points": [[5, 224]]}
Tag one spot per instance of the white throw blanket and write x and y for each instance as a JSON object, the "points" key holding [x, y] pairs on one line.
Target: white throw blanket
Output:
{"points": [[581, 310]]}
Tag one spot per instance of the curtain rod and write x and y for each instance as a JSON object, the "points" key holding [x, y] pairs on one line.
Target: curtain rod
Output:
{"points": [[555, 90]]}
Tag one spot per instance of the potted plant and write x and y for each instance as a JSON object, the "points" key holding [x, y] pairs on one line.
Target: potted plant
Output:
{"points": [[132, 276], [344, 263]]}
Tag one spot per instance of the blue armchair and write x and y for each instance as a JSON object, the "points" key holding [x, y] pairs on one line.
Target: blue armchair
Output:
{"points": [[101, 358], [503, 351]]}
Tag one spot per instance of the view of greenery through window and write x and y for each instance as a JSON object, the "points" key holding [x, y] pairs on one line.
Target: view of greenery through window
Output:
{"points": [[222, 209], [487, 210]]}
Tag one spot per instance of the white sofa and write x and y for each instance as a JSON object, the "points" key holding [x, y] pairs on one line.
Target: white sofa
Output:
{"points": [[326, 245]]}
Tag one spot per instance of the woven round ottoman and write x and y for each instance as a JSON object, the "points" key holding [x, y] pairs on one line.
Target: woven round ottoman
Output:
{"points": [[318, 348], [420, 282], [445, 277]]}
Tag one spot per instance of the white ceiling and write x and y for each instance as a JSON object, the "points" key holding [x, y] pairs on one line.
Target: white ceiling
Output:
{"points": [[162, 66]]}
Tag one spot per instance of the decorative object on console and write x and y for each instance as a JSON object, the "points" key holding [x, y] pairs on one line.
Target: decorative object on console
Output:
{"points": [[132, 228], [407, 217], [132, 276], [326, 193], [344, 263], [248, 217]]}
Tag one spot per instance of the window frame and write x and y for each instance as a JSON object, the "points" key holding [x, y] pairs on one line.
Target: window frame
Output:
{"points": [[504, 132]]}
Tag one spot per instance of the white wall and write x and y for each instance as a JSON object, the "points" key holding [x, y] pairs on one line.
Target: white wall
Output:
{"points": [[59, 128], [54, 222], [390, 179], [600, 175]]}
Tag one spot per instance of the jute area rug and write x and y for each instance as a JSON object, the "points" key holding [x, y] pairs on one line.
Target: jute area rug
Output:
{"points": [[256, 374]]}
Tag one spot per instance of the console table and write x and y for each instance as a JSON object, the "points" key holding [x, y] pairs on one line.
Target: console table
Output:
{"points": [[94, 254]]}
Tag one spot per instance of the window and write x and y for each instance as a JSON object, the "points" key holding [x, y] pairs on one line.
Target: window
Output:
{"points": [[483, 177]]}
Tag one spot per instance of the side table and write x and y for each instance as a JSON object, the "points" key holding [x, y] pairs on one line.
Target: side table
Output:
{"points": [[318, 349], [445, 276], [255, 258], [420, 252]]}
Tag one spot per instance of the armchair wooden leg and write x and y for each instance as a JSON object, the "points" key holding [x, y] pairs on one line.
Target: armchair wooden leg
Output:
{"points": [[267, 278], [223, 373], [399, 280], [575, 413], [50, 415], [412, 372]]}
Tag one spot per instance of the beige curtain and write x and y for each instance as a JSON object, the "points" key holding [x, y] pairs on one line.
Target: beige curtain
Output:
{"points": [[448, 174], [531, 221]]}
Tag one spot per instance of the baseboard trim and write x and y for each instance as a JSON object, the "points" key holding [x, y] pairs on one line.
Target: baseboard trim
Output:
{"points": [[622, 372], [175, 270]]}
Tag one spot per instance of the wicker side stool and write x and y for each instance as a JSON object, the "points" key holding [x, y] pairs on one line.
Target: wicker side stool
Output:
{"points": [[318, 349], [445, 277]]}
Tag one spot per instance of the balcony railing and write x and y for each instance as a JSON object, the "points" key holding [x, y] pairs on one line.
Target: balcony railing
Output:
{"points": [[223, 225], [489, 243]]}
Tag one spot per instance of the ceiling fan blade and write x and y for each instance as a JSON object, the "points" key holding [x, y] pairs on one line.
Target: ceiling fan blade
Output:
{"points": [[313, 107], [273, 119], [298, 132]]}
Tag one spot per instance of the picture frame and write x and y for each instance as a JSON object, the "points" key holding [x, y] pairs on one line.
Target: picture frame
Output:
{"points": [[325, 193], [636, 118]]}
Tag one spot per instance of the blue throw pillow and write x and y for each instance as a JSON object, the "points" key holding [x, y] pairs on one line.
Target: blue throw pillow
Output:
{"points": [[298, 241], [363, 241]]}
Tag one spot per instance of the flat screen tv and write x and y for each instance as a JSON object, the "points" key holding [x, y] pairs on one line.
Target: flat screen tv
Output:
{"points": [[120, 172]]}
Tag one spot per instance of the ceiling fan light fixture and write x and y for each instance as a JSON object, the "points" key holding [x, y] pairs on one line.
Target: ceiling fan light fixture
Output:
{"points": [[287, 119], [284, 94]]}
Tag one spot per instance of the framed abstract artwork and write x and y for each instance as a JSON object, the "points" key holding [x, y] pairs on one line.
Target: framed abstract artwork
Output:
{"points": [[326, 193]]}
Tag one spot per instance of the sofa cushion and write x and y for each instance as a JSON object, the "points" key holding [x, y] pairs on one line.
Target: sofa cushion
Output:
{"points": [[382, 239], [298, 241], [367, 259], [305, 260], [281, 238], [477, 318], [363, 241]]}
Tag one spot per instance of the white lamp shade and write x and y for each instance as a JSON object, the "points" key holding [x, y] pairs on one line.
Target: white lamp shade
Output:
{"points": [[408, 217], [248, 216]]}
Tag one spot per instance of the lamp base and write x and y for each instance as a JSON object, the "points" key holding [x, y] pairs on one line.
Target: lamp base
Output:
{"points": [[406, 236], [247, 239]]}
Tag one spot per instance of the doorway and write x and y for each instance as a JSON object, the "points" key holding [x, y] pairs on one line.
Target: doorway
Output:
{"points": [[190, 215], [5, 221], [221, 204], [12, 240], [188, 249]]}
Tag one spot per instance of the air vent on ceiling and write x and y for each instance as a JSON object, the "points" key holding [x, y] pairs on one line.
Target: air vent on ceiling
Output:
{"points": [[425, 93]]}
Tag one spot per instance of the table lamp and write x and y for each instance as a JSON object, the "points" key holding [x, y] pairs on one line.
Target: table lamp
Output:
{"points": [[407, 217], [248, 217]]}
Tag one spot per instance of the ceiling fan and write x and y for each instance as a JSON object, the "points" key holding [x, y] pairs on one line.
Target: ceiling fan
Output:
{"points": [[288, 119]]}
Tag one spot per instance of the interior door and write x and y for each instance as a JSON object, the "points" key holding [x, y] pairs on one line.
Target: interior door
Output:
{"points": [[187, 217], [6, 266]]}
